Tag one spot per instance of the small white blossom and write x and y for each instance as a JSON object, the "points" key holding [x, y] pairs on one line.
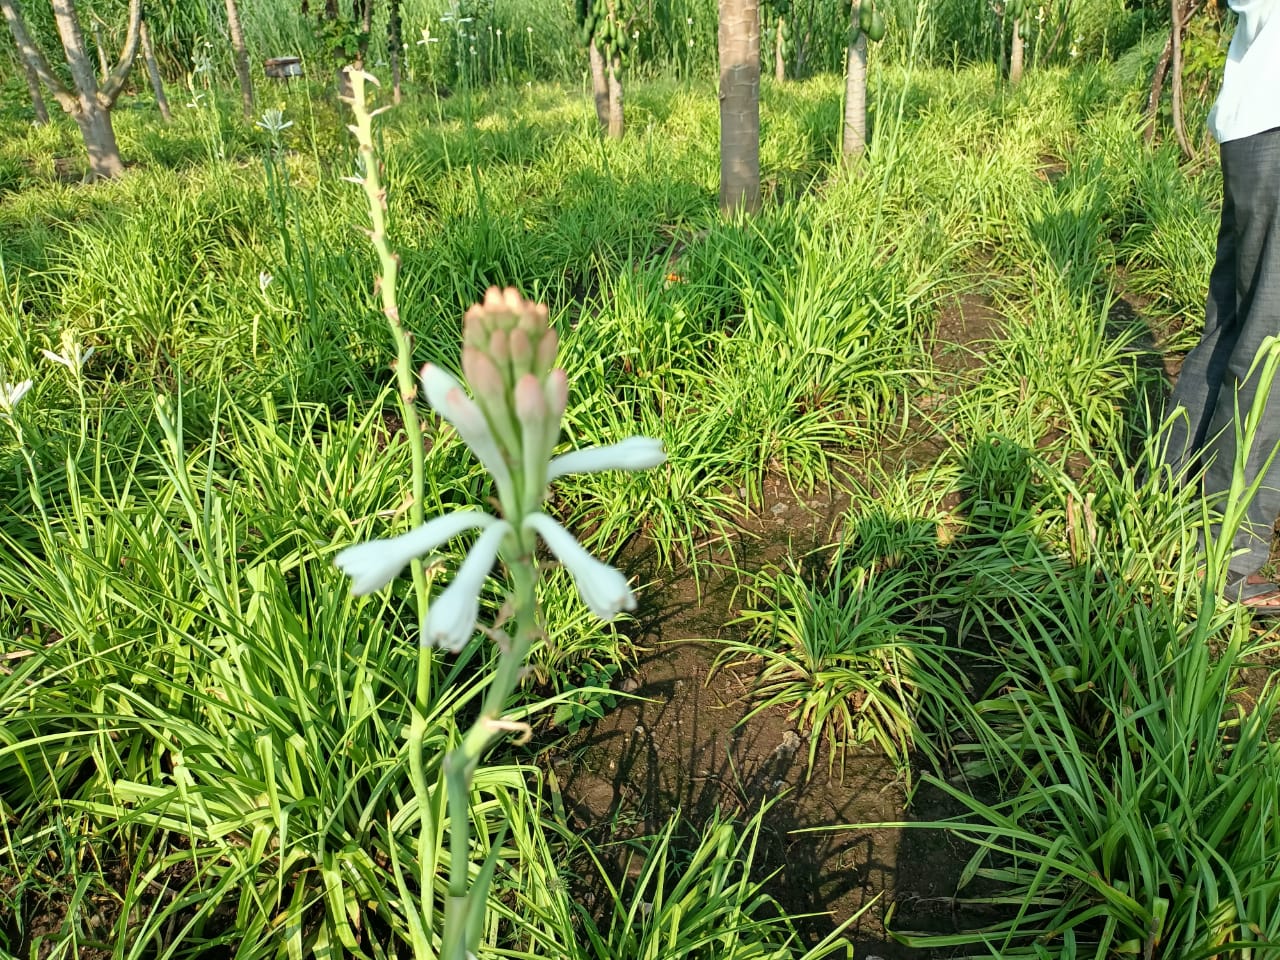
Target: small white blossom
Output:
{"points": [[372, 565], [11, 393], [603, 588], [264, 280], [451, 620], [634, 453], [74, 358], [448, 399], [273, 122]]}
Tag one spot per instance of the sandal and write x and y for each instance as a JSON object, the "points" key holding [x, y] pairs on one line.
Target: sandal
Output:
{"points": [[1260, 595]]}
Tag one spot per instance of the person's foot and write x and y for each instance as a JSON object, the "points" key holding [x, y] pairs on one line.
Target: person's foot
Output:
{"points": [[1260, 595]]}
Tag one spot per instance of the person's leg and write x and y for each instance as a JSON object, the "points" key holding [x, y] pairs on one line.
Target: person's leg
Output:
{"points": [[1195, 394], [1251, 177]]}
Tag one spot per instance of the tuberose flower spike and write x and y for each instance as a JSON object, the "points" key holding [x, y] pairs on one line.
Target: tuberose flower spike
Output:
{"points": [[512, 424]]}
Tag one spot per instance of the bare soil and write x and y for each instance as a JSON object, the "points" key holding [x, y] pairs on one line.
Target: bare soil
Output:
{"points": [[687, 742]]}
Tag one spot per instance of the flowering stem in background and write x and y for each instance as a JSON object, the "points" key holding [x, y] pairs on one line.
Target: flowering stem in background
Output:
{"points": [[406, 382]]}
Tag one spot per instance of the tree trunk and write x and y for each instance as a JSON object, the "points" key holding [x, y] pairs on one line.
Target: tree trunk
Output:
{"points": [[37, 101], [802, 36], [1175, 67], [853, 140], [1015, 53], [153, 71], [1157, 91], [739, 49], [615, 98], [241, 59], [395, 46], [92, 117], [99, 141], [364, 9], [779, 58], [1058, 34], [89, 104], [599, 84]]}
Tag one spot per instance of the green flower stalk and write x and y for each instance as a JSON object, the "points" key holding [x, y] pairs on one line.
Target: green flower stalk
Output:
{"points": [[511, 422]]}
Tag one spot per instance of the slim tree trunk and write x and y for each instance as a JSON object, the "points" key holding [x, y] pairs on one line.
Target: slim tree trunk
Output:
{"points": [[739, 49], [395, 46], [363, 9], [153, 71], [853, 140], [37, 100], [241, 59], [98, 45], [599, 84], [93, 117], [1157, 91], [779, 58], [1016, 53], [1059, 33], [1175, 68], [616, 124]]}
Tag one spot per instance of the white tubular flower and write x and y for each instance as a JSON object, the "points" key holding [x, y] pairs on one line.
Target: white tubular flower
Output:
{"points": [[603, 588], [371, 566], [11, 393], [448, 399], [633, 453], [74, 359], [452, 618]]}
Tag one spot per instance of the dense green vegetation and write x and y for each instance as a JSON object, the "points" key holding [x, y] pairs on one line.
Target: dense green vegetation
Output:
{"points": [[202, 734]]}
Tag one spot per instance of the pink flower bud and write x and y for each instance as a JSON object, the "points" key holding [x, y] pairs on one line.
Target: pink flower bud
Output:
{"points": [[531, 404], [557, 393], [483, 375], [547, 348], [498, 348], [521, 351]]}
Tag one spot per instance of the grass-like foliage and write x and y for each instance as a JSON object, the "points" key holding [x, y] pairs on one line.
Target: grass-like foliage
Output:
{"points": [[208, 747]]}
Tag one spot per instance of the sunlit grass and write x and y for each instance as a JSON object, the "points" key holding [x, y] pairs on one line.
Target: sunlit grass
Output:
{"points": [[188, 689]]}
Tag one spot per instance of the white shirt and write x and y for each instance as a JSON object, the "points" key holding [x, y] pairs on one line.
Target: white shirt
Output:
{"points": [[1249, 102]]}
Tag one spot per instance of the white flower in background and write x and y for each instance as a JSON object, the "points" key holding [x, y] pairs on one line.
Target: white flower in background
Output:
{"points": [[273, 121], [264, 280], [11, 393], [511, 424], [73, 355]]}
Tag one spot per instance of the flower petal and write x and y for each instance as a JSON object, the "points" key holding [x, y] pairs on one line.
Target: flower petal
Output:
{"points": [[11, 393], [448, 399], [603, 588], [451, 620], [633, 453], [372, 565], [57, 358]]}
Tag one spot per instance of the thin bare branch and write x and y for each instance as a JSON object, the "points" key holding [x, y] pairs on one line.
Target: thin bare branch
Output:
{"points": [[114, 83], [33, 57]]}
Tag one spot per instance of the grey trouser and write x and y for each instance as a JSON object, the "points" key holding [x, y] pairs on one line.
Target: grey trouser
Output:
{"points": [[1243, 308]]}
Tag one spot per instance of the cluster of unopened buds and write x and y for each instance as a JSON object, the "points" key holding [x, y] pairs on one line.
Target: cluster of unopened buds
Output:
{"points": [[511, 423]]}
